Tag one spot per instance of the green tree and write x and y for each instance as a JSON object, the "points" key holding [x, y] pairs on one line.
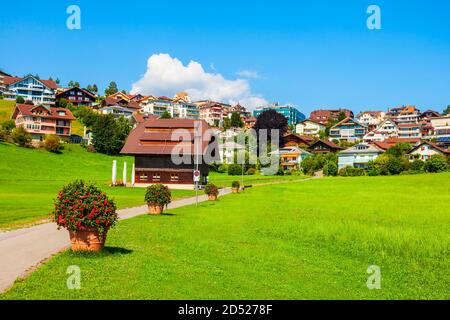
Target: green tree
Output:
{"points": [[52, 143], [94, 88], [330, 169], [437, 163], [166, 115], [21, 136], [446, 110], [400, 149], [236, 120], [111, 89], [57, 81], [62, 103], [341, 116], [20, 99], [109, 134]]}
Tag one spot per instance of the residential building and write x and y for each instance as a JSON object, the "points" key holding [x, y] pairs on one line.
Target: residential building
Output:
{"points": [[77, 96], [30, 89], [404, 114], [41, 120], [140, 117], [213, 112], [410, 130], [310, 128], [349, 130], [291, 157], [249, 122], [425, 150], [386, 129], [227, 151], [153, 142], [242, 111], [324, 146], [292, 139], [292, 115], [2, 81], [441, 127], [326, 115], [370, 119], [358, 156], [425, 121], [119, 105]]}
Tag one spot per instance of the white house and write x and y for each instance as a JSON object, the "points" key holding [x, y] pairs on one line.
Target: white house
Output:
{"points": [[441, 126], [30, 88], [426, 150], [386, 129], [358, 156], [370, 118], [309, 127], [227, 151], [291, 157]]}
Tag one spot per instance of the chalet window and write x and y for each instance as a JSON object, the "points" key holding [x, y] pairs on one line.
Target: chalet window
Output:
{"points": [[173, 177], [156, 177], [143, 176]]}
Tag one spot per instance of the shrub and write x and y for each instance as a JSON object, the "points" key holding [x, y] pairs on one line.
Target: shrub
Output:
{"points": [[308, 165], [20, 99], [222, 168], [330, 169], [52, 144], [234, 170], [417, 166], [80, 204], [437, 163], [158, 195], [211, 189], [250, 171], [235, 184], [351, 172], [214, 167], [21, 136], [394, 165], [280, 172]]}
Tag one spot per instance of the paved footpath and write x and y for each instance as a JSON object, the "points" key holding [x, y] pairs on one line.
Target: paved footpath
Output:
{"points": [[23, 249]]}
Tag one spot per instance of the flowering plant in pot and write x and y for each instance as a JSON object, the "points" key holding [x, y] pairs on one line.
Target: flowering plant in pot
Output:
{"points": [[157, 196], [86, 212], [235, 186], [212, 191]]}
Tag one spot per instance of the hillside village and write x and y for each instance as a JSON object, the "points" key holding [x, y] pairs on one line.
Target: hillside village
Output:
{"points": [[334, 141]]}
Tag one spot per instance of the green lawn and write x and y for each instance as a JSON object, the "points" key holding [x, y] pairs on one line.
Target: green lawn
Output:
{"points": [[303, 240], [6, 109]]}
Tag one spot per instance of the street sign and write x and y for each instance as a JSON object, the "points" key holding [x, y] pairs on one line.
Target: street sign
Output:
{"points": [[196, 175]]}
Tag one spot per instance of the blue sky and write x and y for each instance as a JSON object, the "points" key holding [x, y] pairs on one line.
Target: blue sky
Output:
{"points": [[314, 54]]}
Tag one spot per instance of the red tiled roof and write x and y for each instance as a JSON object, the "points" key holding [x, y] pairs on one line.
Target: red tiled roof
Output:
{"points": [[26, 110], [154, 137], [49, 83], [330, 144], [446, 151], [393, 141]]}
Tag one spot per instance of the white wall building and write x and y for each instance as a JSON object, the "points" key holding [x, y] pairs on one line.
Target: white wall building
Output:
{"points": [[358, 156], [309, 128]]}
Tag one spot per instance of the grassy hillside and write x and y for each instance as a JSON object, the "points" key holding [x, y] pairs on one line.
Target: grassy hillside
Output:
{"points": [[30, 179], [309, 240], [6, 109]]}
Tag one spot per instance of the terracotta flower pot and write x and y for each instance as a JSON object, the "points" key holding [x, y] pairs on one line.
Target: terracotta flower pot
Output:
{"points": [[212, 197], [155, 209], [235, 190], [88, 239]]}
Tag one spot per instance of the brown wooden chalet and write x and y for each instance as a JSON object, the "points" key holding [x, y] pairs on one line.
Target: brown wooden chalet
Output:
{"points": [[77, 96], [153, 142], [292, 139], [324, 146]]}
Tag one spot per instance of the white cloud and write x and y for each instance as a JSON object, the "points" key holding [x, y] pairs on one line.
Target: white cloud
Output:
{"points": [[166, 76], [248, 74]]}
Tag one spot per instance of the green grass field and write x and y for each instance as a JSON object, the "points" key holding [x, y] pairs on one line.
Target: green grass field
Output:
{"points": [[6, 109], [301, 240], [31, 178]]}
